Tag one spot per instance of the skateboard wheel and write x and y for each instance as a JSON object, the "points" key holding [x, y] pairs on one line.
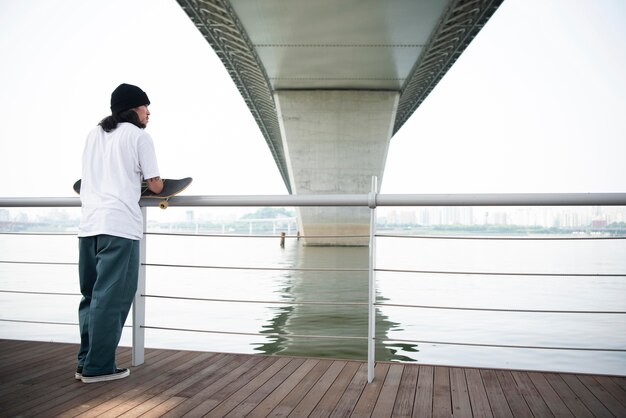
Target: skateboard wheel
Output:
{"points": [[163, 204]]}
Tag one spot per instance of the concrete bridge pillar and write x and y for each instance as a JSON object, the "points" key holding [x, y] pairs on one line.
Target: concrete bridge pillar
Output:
{"points": [[334, 142]]}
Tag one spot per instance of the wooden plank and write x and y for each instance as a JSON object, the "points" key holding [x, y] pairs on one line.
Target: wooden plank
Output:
{"points": [[139, 405], [233, 400], [513, 395], [211, 381], [143, 405], [123, 394], [351, 395], [316, 393], [442, 400], [180, 381], [201, 403], [46, 396], [605, 397], [66, 366], [477, 394], [533, 398], [620, 381], [497, 400], [49, 394], [389, 392], [109, 399], [256, 397], [105, 397], [26, 380], [406, 392], [34, 366], [289, 403], [568, 397], [30, 357], [331, 398], [423, 407], [238, 378], [73, 396], [589, 399], [229, 384], [459, 394], [163, 408], [370, 393], [214, 373], [613, 388], [7, 347], [17, 351], [276, 396], [176, 383]]}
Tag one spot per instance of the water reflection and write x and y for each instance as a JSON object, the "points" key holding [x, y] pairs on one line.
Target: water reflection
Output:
{"points": [[328, 320]]}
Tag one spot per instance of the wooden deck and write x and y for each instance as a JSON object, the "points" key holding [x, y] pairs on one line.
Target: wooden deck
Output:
{"points": [[37, 379]]}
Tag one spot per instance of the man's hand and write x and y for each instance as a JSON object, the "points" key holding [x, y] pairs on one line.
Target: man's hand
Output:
{"points": [[155, 185]]}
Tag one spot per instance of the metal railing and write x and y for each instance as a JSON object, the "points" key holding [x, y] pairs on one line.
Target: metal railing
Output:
{"points": [[371, 200]]}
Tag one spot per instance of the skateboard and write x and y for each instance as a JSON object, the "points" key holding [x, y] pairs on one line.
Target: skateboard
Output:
{"points": [[171, 187]]}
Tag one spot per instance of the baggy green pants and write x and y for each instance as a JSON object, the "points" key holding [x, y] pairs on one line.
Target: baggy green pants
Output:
{"points": [[108, 270]]}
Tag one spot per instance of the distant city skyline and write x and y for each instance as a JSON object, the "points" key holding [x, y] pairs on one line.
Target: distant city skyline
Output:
{"points": [[565, 217], [549, 217]]}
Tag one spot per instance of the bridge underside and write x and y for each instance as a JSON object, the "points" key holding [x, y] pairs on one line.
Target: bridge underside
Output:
{"points": [[329, 83]]}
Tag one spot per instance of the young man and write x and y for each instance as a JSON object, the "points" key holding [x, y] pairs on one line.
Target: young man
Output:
{"points": [[118, 155]]}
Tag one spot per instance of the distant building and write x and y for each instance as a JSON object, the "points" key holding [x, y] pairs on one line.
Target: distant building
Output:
{"points": [[598, 223]]}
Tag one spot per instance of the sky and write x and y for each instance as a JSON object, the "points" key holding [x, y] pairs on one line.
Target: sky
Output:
{"points": [[535, 104]]}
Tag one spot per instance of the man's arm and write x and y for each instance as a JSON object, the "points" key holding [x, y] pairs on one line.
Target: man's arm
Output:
{"points": [[155, 185]]}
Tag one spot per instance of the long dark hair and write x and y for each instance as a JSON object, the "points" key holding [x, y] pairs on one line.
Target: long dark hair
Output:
{"points": [[110, 122]]}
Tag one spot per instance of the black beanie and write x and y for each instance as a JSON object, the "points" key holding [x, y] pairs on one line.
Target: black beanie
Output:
{"points": [[127, 96]]}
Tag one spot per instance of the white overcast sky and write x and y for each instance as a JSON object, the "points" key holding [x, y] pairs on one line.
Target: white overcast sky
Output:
{"points": [[537, 103]]}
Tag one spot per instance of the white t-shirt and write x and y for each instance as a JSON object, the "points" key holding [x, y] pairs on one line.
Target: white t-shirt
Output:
{"points": [[114, 164]]}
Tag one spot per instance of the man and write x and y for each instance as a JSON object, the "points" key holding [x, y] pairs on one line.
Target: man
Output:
{"points": [[118, 155]]}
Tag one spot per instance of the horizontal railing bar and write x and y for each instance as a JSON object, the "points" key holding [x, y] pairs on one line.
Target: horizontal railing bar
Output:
{"points": [[466, 199], [183, 234], [256, 268], [69, 234], [459, 308], [489, 273], [274, 236], [534, 347], [39, 202], [397, 305], [26, 292], [503, 238], [53, 263], [46, 263], [277, 335], [267, 200], [473, 273], [504, 199], [24, 321], [267, 302]]}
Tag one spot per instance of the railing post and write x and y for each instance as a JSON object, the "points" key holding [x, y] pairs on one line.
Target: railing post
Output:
{"points": [[371, 319], [139, 304]]}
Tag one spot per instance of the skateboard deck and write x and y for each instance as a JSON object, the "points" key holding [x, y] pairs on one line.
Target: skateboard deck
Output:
{"points": [[171, 187]]}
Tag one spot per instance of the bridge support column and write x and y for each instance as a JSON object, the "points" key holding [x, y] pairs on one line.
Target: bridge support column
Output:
{"points": [[334, 142]]}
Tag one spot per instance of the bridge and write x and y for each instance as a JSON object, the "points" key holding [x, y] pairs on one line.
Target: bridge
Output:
{"points": [[330, 82]]}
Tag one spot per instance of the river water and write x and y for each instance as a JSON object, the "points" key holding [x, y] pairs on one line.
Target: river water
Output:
{"points": [[301, 275]]}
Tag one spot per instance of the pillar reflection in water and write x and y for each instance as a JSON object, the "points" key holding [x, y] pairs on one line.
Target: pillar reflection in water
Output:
{"points": [[329, 320]]}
